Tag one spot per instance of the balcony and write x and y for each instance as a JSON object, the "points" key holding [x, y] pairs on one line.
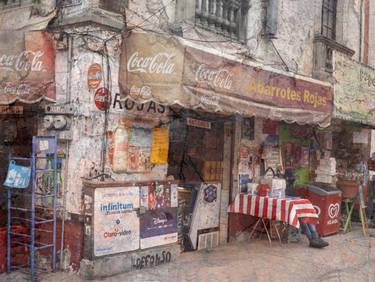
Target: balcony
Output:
{"points": [[221, 16], [323, 49], [103, 12], [5, 5]]}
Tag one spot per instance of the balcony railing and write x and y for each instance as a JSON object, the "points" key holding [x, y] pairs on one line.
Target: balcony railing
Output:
{"points": [[68, 3], [10, 4], [222, 16]]}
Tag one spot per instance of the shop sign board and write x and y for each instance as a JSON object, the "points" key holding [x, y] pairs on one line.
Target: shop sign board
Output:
{"points": [[116, 224], [354, 90], [198, 123], [27, 67], [150, 67], [221, 84], [165, 70]]}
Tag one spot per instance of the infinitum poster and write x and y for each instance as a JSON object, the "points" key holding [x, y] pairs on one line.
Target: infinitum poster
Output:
{"points": [[116, 224]]}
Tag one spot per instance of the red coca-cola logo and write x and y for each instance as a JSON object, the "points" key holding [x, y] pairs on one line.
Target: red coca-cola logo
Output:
{"points": [[102, 98]]}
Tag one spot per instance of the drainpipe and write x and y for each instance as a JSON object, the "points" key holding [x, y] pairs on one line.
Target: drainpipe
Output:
{"points": [[66, 170], [360, 31]]}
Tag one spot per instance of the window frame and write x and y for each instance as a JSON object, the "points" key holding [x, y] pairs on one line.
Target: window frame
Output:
{"points": [[329, 13]]}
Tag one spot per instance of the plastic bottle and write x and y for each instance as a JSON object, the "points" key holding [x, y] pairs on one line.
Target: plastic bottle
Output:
{"points": [[120, 148]]}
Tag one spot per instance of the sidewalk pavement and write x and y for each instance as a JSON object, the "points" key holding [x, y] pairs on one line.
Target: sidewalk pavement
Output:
{"points": [[350, 257]]}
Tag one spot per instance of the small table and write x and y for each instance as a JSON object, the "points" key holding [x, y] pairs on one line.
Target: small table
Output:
{"points": [[287, 210]]}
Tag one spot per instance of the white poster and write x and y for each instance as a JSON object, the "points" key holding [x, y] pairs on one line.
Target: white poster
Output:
{"points": [[159, 240], [116, 224]]}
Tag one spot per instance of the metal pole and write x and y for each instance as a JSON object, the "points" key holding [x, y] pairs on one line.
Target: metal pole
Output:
{"points": [[9, 228], [32, 227], [54, 204]]}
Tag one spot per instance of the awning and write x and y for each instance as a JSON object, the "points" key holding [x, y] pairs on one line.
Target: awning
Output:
{"points": [[163, 69], [27, 67], [354, 90]]}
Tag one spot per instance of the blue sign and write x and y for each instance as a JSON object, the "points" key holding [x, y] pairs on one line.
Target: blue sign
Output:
{"points": [[158, 222], [18, 176]]}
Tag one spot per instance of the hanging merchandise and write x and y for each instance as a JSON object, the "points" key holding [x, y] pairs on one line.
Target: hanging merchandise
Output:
{"points": [[47, 180], [160, 146], [120, 149], [277, 185], [18, 176]]}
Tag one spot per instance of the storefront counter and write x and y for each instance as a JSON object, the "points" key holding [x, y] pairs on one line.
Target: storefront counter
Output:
{"points": [[134, 223]]}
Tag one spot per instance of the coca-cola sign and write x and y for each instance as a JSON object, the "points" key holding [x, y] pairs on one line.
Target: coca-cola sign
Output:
{"points": [[217, 78], [160, 63], [26, 61], [27, 67], [150, 67], [102, 98]]}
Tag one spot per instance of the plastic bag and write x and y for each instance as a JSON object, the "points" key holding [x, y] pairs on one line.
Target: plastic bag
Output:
{"points": [[18, 176]]}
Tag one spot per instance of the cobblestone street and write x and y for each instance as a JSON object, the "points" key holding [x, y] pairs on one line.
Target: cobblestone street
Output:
{"points": [[349, 257]]}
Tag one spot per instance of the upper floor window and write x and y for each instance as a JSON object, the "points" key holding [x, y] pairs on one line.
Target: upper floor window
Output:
{"points": [[329, 18], [226, 17]]}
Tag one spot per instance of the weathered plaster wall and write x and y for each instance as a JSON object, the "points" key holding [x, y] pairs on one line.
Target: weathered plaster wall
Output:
{"points": [[351, 36], [372, 35], [88, 121]]}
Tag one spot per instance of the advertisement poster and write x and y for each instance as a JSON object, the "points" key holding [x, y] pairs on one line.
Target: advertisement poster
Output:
{"points": [[206, 211], [354, 90], [27, 67], [139, 149], [158, 227], [159, 196], [116, 225], [160, 144]]}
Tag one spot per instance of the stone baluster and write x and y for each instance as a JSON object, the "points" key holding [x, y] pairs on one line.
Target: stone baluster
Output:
{"points": [[198, 10], [211, 13], [219, 15]]}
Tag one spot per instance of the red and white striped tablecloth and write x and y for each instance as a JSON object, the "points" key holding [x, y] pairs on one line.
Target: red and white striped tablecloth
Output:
{"points": [[287, 210]]}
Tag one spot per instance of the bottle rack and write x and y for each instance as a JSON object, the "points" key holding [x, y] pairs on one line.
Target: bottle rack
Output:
{"points": [[35, 210]]}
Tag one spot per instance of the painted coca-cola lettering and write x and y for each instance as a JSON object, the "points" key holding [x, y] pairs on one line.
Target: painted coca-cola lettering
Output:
{"points": [[221, 78], [161, 63], [27, 66], [210, 100], [143, 92], [26, 61], [21, 89]]}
